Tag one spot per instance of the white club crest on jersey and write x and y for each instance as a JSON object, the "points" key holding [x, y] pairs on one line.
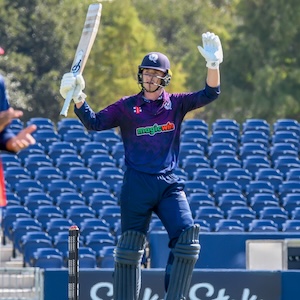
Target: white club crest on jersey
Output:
{"points": [[153, 57]]}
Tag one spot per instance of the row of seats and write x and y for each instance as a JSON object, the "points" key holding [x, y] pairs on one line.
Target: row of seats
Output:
{"points": [[224, 189]]}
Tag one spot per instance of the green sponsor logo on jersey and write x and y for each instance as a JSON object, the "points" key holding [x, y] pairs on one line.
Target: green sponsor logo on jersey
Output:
{"points": [[154, 129]]}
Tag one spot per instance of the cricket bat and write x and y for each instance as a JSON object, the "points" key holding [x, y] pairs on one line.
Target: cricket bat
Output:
{"points": [[89, 32]]}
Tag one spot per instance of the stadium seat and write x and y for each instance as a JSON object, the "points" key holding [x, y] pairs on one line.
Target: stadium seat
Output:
{"points": [[192, 162], [77, 175], [228, 186], [46, 258], [110, 175], [35, 196], [108, 137], [194, 124], [295, 214], [255, 137], [228, 200], [208, 176], [204, 225], [196, 200], [29, 247], [252, 149], [287, 124], [110, 214], [230, 125], [290, 201], [14, 174], [56, 225], [211, 214], [288, 187], [256, 125], [106, 257], [46, 137], [258, 186], [97, 244], [16, 124], [46, 174], [259, 225], [253, 163], [25, 186], [33, 203], [97, 200], [58, 186], [32, 235], [224, 162], [282, 149], [98, 161], [243, 213], [216, 149], [225, 225], [23, 154], [285, 136], [10, 160], [118, 151], [91, 186], [189, 148], [223, 136], [291, 226], [261, 200], [41, 123], [79, 213], [195, 186], [92, 148], [271, 175], [65, 161], [77, 137], [197, 137], [240, 175], [277, 214], [19, 228], [293, 174], [285, 163], [95, 226], [178, 171], [87, 258], [45, 213]]}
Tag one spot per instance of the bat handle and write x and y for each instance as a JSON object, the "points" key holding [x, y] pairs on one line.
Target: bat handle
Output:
{"points": [[64, 110]]}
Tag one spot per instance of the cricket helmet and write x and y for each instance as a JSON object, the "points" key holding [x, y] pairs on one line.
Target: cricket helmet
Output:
{"points": [[156, 61]]}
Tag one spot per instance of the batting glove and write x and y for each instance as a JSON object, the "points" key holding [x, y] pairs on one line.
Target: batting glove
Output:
{"points": [[70, 82], [212, 50]]}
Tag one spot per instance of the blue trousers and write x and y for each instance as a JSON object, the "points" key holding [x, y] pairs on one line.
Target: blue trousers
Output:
{"points": [[142, 194]]}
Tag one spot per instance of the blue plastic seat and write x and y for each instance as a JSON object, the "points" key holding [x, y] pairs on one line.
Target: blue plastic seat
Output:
{"points": [[291, 226], [255, 136], [118, 151], [46, 174], [261, 125], [45, 213], [261, 200], [98, 161], [211, 214], [58, 186], [10, 160], [285, 163], [109, 137], [271, 175], [278, 214], [47, 258], [56, 225], [106, 257], [189, 148], [228, 200], [41, 123], [79, 213], [228, 186], [240, 175], [208, 176], [253, 163], [252, 149], [225, 225], [282, 149], [178, 171], [230, 125], [223, 136], [288, 187], [243, 213], [197, 137], [293, 174], [195, 186], [91, 186], [285, 136], [23, 154], [219, 148], [204, 225], [192, 162], [194, 124], [290, 201], [224, 162], [97, 200], [259, 225], [78, 174], [258, 186], [196, 200], [77, 137]]}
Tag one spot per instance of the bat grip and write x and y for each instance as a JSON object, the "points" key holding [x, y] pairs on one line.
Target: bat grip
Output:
{"points": [[65, 108]]}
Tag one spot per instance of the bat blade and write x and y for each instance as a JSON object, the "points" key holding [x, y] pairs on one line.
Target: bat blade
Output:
{"points": [[84, 47]]}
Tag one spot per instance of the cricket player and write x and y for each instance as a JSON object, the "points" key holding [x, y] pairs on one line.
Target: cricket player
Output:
{"points": [[150, 123], [8, 140]]}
